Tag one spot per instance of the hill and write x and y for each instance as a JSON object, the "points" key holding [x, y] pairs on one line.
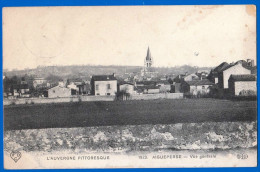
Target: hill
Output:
{"points": [[89, 70]]}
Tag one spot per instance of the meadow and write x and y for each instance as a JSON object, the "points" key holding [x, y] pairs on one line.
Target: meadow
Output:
{"points": [[88, 114]]}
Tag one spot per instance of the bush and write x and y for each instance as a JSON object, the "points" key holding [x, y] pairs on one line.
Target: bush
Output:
{"points": [[247, 93]]}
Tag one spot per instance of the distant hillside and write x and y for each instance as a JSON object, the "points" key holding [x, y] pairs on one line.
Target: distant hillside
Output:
{"points": [[87, 70]]}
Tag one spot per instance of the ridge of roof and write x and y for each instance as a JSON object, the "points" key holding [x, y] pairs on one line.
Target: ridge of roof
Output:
{"points": [[244, 77], [103, 77]]}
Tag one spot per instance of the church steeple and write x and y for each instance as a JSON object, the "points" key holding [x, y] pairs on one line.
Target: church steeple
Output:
{"points": [[148, 56], [148, 71], [148, 60]]}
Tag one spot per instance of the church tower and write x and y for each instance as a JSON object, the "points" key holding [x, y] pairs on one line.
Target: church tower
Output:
{"points": [[148, 61]]}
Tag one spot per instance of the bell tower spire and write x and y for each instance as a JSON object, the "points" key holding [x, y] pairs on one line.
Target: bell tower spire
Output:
{"points": [[148, 59]]}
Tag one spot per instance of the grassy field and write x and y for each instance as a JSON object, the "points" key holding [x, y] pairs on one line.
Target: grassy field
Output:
{"points": [[84, 114]]}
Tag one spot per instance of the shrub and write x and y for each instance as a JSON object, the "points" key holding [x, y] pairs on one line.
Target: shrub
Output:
{"points": [[247, 93]]}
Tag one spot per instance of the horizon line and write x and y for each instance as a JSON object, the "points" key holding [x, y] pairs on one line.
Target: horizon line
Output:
{"points": [[94, 65]]}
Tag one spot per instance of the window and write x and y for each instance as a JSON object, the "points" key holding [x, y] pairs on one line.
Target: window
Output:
{"points": [[108, 86], [108, 94], [97, 94], [97, 87], [203, 87], [53, 91]]}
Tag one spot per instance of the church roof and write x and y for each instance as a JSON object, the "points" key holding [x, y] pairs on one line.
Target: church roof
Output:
{"points": [[148, 56]]}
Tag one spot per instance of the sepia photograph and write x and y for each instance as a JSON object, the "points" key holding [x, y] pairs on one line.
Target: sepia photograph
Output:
{"points": [[129, 86]]}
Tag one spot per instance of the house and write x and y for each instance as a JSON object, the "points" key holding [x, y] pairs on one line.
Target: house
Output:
{"points": [[164, 86], [61, 83], [38, 81], [77, 85], [151, 89], [179, 79], [83, 88], [202, 74], [75, 81], [213, 75], [21, 90], [190, 77], [73, 86], [58, 91], [103, 85], [233, 69], [126, 87], [147, 87], [197, 87], [242, 85]]}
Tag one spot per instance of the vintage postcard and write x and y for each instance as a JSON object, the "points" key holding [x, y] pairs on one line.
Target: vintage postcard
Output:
{"points": [[129, 87]]}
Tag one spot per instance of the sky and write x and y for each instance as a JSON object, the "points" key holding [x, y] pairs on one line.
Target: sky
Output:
{"points": [[120, 35]]}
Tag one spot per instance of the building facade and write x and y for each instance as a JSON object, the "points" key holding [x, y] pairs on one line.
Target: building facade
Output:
{"points": [[127, 88], [58, 91], [224, 75], [191, 77], [103, 85], [242, 85], [38, 81], [197, 87]]}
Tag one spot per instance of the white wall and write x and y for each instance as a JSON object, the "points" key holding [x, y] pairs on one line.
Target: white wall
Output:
{"points": [[191, 77], [156, 96], [59, 92], [216, 80], [102, 87], [153, 91], [244, 85], [127, 87], [57, 100], [73, 86], [235, 70], [165, 88], [194, 90]]}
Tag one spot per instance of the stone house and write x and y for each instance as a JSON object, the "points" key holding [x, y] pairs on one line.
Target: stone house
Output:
{"points": [[38, 81], [164, 86], [213, 75], [58, 91], [126, 87], [190, 77], [20, 90], [197, 87], [224, 74], [103, 85], [242, 85]]}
